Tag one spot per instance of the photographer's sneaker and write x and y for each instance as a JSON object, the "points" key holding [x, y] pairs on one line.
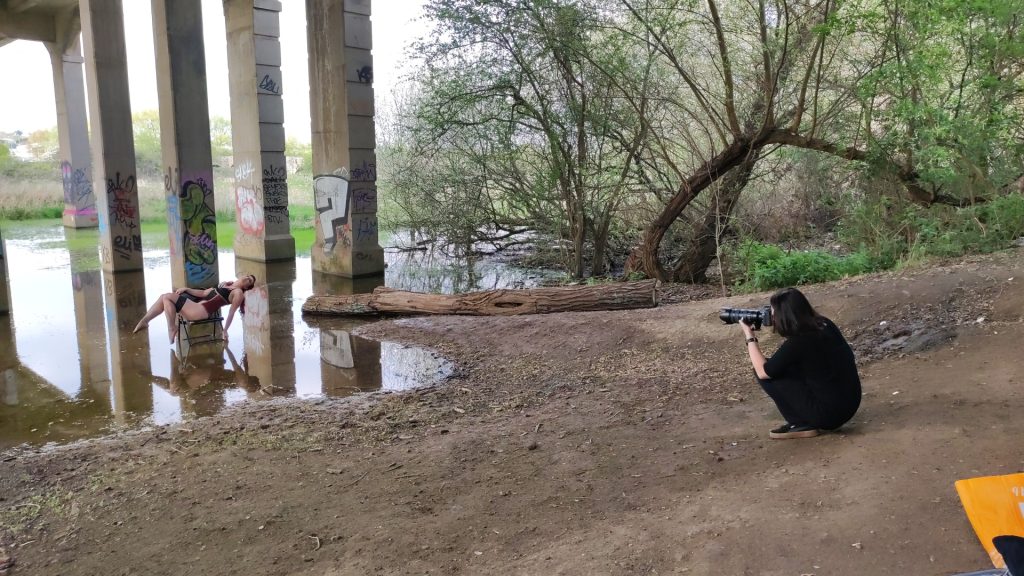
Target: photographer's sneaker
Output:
{"points": [[788, 430]]}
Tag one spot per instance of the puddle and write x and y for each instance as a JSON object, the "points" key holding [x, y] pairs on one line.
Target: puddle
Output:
{"points": [[70, 368]]}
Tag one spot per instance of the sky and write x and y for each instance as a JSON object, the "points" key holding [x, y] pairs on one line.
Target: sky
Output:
{"points": [[28, 105]]}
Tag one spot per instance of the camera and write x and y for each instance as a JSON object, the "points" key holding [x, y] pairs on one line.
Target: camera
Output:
{"points": [[756, 317]]}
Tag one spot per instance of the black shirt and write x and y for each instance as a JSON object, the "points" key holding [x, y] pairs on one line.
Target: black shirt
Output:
{"points": [[823, 360]]}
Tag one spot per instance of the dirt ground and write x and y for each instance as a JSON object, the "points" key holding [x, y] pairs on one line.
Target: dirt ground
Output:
{"points": [[614, 443]]}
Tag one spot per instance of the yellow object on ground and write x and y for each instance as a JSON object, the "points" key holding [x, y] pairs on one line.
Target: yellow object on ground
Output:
{"points": [[995, 507]]}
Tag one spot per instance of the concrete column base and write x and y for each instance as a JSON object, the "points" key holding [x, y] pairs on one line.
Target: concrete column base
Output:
{"points": [[79, 219], [328, 283], [270, 249]]}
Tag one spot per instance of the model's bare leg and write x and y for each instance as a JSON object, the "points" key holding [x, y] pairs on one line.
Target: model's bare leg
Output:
{"points": [[154, 311], [172, 323]]}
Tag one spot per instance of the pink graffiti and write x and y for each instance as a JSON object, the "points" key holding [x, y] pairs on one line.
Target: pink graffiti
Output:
{"points": [[250, 213]]}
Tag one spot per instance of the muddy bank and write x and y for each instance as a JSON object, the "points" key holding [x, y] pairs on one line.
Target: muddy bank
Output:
{"points": [[593, 443]]}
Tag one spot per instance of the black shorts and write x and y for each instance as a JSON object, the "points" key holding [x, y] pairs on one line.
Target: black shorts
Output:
{"points": [[180, 302]]}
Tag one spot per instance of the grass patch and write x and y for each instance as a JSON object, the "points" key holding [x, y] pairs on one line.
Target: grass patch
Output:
{"points": [[18, 517]]}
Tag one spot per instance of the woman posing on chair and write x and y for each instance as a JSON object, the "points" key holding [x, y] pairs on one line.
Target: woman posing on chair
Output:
{"points": [[194, 305]]}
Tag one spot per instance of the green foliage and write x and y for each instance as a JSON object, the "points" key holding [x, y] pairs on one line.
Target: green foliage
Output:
{"points": [[148, 156], [295, 148], [38, 213], [905, 233], [765, 266]]}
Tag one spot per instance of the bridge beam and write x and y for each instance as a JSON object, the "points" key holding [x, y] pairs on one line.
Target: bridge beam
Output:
{"points": [[27, 26], [113, 147], [339, 41], [257, 130], [72, 121], [185, 142]]}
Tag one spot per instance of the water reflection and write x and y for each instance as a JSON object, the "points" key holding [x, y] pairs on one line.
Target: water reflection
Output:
{"points": [[200, 379], [66, 311]]}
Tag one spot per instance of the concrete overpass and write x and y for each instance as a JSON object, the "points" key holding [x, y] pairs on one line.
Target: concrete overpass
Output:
{"points": [[87, 47]]}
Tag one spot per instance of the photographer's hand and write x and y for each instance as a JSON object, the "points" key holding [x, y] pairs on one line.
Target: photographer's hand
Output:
{"points": [[757, 359], [748, 331]]}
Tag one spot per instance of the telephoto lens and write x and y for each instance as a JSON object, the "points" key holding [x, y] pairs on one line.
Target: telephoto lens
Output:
{"points": [[755, 317]]}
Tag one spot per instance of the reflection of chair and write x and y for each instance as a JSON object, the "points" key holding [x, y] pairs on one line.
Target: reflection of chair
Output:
{"points": [[192, 332]]}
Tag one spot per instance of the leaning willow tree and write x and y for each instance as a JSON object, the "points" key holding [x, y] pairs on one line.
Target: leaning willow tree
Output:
{"points": [[572, 116], [919, 91]]}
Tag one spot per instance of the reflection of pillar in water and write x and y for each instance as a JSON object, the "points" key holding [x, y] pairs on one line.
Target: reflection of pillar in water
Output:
{"points": [[130, 368], [5, 293], [269, 324], [348, 364], [89, 319], [8, 361]]}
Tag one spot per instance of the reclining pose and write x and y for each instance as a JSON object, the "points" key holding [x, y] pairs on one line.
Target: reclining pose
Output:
{"points": [[195, 305]]}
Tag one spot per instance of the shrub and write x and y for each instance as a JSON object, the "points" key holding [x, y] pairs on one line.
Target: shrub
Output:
{"points": [[764, 266]]}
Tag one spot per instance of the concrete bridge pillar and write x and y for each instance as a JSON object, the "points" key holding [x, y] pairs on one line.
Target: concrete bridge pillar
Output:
{"points": [[113, 147], [269, 325], [257, 130], [5, 291], [343, 139], [185, 142], [72, 120]]}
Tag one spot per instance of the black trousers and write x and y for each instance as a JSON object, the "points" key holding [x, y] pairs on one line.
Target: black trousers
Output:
{"points": [[799, 405]]}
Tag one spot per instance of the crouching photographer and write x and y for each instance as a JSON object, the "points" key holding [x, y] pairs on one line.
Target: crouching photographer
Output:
{"points": [[812, 377]]}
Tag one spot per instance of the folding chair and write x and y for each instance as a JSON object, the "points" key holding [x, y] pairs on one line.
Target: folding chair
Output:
{"points": [[192, 332]]}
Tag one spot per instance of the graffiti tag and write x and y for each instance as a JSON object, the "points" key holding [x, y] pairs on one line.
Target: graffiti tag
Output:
{"points": [[199, 221], [269, 84], [330, 198], [77, 189], [250, 212]]}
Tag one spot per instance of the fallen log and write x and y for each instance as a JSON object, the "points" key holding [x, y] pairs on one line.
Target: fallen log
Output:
{"points": [[611, 296]]}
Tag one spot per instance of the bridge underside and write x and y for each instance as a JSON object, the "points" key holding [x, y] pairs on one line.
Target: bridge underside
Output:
{"points": [[32, 19]]}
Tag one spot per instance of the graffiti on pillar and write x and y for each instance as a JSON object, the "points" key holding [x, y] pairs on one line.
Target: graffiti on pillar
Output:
{"points": [[200, 228], [243, 170], [275, 214], [365, 173], [256, 320], [275, 186], [122, 196], [364, 200], [365, 74], [250, 211], [330, 198], [174, 226], [367, 230], [269, 84], [77, 189]]}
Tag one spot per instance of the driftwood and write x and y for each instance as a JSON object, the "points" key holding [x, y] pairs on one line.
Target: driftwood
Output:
{"points": [[612, 296]]}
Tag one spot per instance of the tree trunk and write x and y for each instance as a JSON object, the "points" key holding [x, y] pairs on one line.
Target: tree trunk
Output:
{"points": [[702, 247], [613, 296], [644, 257]]}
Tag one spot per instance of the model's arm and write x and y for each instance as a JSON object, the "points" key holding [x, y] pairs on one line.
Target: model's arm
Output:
{"points": [[195, 292], [236, 297], [757, 358]]}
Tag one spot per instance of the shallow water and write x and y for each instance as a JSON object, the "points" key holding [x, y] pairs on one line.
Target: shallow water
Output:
{"points": [[70, 367]]}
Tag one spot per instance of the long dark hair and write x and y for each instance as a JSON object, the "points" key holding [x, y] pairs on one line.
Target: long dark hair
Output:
{"points": [[793, 314]]}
